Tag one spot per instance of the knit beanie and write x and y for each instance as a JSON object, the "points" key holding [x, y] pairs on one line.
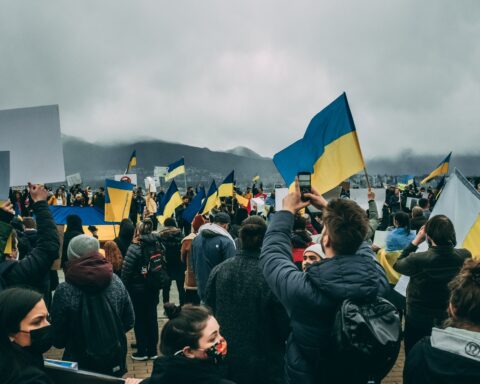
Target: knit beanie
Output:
{"points": [[315, 248], [82, 245]]}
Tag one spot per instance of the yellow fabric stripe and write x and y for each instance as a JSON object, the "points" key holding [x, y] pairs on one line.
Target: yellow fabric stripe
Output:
{"points": [[212, 202], [242, 201], [105, 232], [472, 240], [225, 190], [386, 260], [440, 170], [175, 172], [174, 202], [341, 159], [8, 245], [119, 206]]}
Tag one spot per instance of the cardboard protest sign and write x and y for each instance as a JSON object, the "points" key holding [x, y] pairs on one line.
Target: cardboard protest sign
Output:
{"points": [[74, 179], [130, 178], [4, 174], [42, 161], [160, 171], [150, 185]]}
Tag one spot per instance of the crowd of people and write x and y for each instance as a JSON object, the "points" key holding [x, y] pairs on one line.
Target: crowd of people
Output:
{"points": [[269, 284]]}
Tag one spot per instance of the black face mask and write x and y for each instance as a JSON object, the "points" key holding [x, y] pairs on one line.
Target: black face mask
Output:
{"points": [[41, 339]]}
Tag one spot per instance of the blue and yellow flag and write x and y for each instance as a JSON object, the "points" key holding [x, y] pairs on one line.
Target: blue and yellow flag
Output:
{"points": [[255, 179], [171, 201], [118, 198], [226, 188], [195, 205], [441, 169], [175, 169], [211, 200], [329, 149], [404, 181], [132, 162]]}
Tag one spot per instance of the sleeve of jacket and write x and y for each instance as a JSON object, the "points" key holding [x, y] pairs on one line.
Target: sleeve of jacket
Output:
{"points": [[33, 268], [282, 276], [407, 262], [228, 248], [210, 290], [59, 315], [373, 220], [128, 315], [129, 264]]}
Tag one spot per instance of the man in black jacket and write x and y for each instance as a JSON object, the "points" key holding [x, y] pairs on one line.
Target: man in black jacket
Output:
{"points": [[33, 270], [311, 299]]}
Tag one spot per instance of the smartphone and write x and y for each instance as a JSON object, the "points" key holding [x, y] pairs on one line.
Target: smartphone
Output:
{"points": [[305, 182]]}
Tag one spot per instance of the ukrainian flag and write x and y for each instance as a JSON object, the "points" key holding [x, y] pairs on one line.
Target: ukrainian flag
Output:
{"points": [[171, 201], [226, 188], [441, 169], [255, 178], [329, 149], [118, 198], [460, 202], [244, 202], [195, 205], [132, 162], [175, 169], [211, 200]]}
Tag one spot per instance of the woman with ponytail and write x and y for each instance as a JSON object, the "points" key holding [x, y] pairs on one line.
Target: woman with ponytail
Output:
{"points": [[25, 334], [452, 353], [192, 348]]}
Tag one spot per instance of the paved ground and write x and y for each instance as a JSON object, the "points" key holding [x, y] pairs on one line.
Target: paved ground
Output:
{"points": [[143, 369]]}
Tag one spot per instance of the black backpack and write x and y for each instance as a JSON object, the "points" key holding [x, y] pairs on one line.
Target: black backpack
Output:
{"points": [[154, 267], [103, 345], [370, 334]]}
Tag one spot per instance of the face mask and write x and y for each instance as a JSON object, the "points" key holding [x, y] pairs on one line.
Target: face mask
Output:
{"points": [[218, 351], [40, 339]]}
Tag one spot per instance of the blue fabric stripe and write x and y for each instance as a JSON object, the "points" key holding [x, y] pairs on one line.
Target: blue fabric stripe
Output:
{"points": [[195, 206], [176, 164]]}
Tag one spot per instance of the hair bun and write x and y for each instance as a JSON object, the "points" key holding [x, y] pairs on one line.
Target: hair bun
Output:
{"points": [[172, 310]]}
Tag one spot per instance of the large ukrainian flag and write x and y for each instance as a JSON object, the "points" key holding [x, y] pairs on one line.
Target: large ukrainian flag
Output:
{"points": [[118, 198], [132, 162], [195, 205], [211, 200], [329, 149], [175, 169], [460, 202], [171, 201], [441, 169], [226, 188]]}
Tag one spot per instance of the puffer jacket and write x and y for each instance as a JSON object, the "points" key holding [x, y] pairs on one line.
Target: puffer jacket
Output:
{"points": [[312, 299], [171, 238], [132, 275]]}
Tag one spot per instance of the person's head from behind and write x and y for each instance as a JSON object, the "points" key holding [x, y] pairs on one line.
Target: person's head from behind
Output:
{"points": [[127, 230], [81, 246], [312, 254], [29, 223], [345, 227], [170, 222], [402, 220], [113, 255], [144, 227], [423, 203], [252, 233], [192, 332], [417, 212], [240, 215], [440, 231], [24, 321], [222, 219], [197, 222], [74, 223], [464, 306], [299, 223]]}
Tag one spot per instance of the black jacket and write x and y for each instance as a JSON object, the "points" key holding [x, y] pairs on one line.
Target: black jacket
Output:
{"points": [[34, 269], [182, 370], [430, 272], [132, 265], [252, 320], [125, 237], [171, 238], [312, 298], [426, 364]]}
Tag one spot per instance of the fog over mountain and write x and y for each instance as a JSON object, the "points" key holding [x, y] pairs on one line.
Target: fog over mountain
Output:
{"points": [[95, 161]]}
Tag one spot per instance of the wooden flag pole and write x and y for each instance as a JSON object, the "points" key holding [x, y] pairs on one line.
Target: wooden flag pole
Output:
{"points": [[366, 176]]}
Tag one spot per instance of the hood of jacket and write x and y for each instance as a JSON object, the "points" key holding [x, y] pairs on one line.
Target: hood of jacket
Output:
{"points": [[91, 273], [349, 276], [127, 230], [170, 232], [182, 370], [150, 238], [210, 230]]}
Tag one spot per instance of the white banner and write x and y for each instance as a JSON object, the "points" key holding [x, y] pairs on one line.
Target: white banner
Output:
{"points": [[129, 177], [74, 179], [160, 171]]}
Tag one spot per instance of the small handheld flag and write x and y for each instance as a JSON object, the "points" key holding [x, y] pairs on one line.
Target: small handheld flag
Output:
{"points": [[132, 162], [175, 169], [441, 169], [171, 201], [211, 200], [195, 205]]}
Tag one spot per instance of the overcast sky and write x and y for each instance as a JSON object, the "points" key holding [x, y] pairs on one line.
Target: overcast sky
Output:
{"points": [[220, 74]]}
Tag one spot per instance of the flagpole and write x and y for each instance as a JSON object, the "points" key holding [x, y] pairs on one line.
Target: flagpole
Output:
{"points": [[185, 179], [366, 176]]}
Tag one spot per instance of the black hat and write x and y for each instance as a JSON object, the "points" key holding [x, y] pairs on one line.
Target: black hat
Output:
{"points": [[222, 218]]}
